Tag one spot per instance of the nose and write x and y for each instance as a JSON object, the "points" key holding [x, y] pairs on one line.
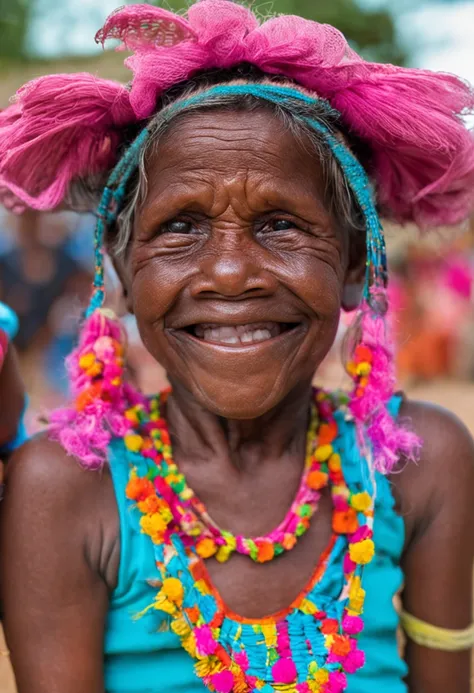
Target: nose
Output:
{"points": [[233, 273]]}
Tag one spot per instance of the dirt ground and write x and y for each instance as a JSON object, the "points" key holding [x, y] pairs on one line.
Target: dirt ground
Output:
{"points": [[459, 397]]}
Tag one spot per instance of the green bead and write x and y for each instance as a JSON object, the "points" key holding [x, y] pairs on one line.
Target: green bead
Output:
{"points": [[305, 510], [278, 549], [178, 486], [253, 549], [300, 530]]}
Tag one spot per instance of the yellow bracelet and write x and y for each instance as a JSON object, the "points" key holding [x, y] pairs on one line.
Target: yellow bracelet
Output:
{"points": [[436, 638]]}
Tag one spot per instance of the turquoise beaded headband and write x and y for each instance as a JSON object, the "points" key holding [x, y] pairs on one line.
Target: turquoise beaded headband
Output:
{"points": [[115, 191]]}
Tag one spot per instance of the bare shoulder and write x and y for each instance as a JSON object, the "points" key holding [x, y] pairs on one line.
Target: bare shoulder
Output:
{"points": [[47, 490], [442, 481]]}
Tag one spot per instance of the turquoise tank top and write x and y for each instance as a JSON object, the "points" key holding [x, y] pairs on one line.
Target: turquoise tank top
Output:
{"points": [[139, 658]]}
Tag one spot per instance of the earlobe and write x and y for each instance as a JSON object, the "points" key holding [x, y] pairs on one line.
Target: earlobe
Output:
{"points": [[352, 296]]}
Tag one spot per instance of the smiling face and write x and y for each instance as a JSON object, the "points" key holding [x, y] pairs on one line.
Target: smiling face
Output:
{"points": [[235, 270]]}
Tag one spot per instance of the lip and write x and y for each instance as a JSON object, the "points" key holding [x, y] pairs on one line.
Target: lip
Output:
{"points": [[297, 331]]}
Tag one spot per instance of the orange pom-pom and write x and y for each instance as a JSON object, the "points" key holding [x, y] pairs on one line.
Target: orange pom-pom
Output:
{"points": [[345, 521], [327, 433], [88, 396], [329, 626], [265, 551], [317, 480], [206, 547], [288, 542], [139, 489], [363, 353], [341, 645]]}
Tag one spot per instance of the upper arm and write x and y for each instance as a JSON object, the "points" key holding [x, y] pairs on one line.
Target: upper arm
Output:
{"points": [[438, 505], [54, 599]]}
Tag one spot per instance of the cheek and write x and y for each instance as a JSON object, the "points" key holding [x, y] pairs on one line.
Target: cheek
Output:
{"points": [[317, 282], [155, 287]]}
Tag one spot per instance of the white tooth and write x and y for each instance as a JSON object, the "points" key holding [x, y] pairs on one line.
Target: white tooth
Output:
{"points": [[199, 332], [208, 335], [261, 335], [216, 333], [230, 340], [246, 338]]}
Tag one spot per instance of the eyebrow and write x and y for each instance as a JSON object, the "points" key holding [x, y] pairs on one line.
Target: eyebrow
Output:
{"points": [[198, 195]]}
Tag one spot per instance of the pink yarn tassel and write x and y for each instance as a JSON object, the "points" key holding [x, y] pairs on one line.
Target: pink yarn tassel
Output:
{"points": [[76, 119], [373, 370], [101, 396]]}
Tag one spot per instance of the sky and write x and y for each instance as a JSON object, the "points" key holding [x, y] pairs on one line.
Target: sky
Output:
{"points": [[443, 33]]}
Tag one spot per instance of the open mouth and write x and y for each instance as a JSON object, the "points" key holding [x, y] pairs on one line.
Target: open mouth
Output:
{"points": [[239, 335]]}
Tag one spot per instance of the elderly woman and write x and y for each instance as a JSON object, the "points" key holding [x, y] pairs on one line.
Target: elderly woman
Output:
{"points": [[245, 532]]}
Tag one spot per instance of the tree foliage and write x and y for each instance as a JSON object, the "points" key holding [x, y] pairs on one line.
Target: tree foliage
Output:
{"points": [[14, 20], [371, 32]]}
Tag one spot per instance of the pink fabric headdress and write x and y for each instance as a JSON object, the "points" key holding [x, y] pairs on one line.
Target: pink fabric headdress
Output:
{"points": [[422, 154]]}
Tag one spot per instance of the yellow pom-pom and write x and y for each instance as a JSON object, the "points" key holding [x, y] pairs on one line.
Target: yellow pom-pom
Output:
{"points": [[206, 548], [173, 590], [152, 524], [131, 415], [351, 368], [361, 501], [223, 554], [362, 552], [363, 368], [133, 442], [86, 361], [166, 514], [323, 453], [335, 462], [94, 370], [321, 676], [356, 596]]}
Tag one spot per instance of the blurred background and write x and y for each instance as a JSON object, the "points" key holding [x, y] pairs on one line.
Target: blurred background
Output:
{"points": [[46, 260]]}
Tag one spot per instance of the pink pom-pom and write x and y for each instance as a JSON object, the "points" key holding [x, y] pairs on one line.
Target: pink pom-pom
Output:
{"points": [[223, 681], [284, 671], [352, 625], [205, 643], [241, 658], [337, 682], [354, 661]]}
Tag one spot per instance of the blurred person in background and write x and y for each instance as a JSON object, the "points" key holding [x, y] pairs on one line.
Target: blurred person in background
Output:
{"points": [[242, 532], [45, 274], [433, 311]]}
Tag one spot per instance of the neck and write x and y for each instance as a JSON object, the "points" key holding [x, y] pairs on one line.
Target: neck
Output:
{"points": [[199, 434]]}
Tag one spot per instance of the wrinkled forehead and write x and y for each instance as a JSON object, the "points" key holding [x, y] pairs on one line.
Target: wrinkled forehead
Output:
{"points": [[225, 146]]}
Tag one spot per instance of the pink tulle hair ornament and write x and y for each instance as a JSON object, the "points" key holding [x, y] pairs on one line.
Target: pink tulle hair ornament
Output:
{"points": [[421, 162], [422, 155]]}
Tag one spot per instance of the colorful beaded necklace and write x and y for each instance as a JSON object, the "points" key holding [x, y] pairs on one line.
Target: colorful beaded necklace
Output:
{"points": [[308, 649], [189, 515]]}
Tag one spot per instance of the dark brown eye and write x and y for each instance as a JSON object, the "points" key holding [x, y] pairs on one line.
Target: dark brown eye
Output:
{"points": [[177, 226], [281, 225]]}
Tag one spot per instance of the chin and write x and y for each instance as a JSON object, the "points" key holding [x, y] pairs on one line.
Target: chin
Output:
{"points": [[245, 398]]}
